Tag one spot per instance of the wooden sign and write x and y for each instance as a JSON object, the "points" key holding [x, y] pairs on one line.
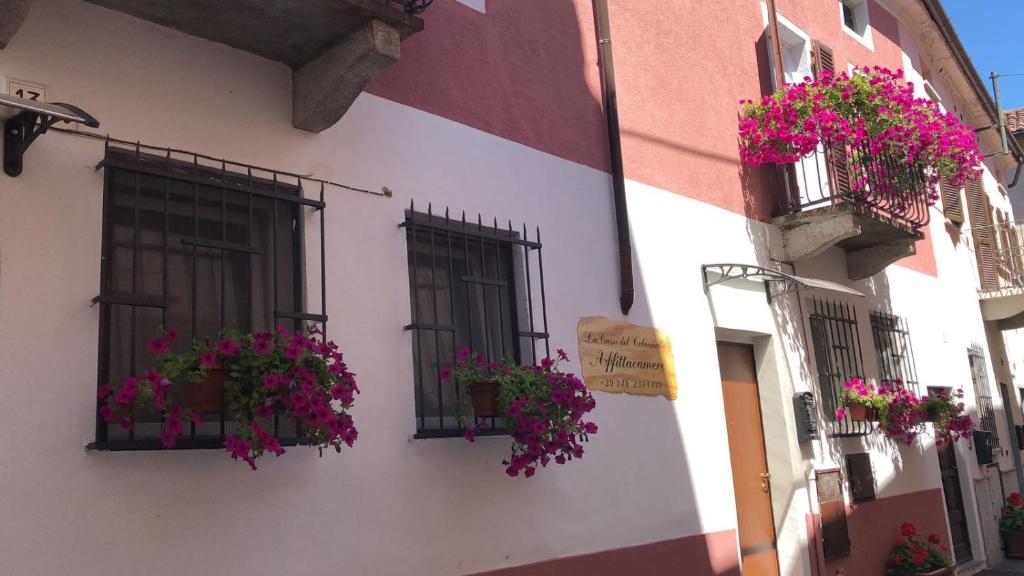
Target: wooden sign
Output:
{"points": [[620, 357]]}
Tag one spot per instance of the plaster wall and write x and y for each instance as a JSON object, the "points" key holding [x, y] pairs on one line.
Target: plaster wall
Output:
{"points": [[657, 471]]}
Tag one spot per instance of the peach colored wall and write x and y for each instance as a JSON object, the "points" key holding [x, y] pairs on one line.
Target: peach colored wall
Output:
{"points": [[713, 554], [526, 70], [874, 530]]}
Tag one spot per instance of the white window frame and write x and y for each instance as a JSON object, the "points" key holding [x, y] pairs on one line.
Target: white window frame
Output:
{"points": [[860, 15]]}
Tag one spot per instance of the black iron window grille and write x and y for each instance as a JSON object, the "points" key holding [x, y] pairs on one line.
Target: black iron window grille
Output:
{"points": [[983, 393], [471, 286], [893, 350], [838, 358], [199, 245]]}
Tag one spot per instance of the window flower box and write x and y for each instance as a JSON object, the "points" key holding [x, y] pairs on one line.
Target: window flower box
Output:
{"points": [[542, 407]]}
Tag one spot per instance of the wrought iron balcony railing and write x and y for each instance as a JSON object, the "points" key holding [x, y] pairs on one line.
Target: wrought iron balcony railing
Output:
{"points": [[835, 174]]}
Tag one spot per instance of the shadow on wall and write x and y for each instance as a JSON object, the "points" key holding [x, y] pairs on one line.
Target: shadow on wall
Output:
{"points": [[521, 72], [874, 529]]}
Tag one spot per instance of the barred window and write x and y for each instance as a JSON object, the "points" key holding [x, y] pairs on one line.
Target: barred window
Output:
{"points": [[893, 350], [196, 245], [471, 286], [837, 357], [983, 393]]}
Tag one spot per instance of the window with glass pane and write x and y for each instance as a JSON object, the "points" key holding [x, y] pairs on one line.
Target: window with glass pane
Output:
{"points": [[471, 287], [893, 350], [199, 249]]}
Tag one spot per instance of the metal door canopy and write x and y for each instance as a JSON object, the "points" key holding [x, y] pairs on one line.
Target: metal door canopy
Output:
{"points": [[775, 283]]}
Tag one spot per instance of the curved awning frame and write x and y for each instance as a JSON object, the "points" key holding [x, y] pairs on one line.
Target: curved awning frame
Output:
{"points": [[775, 283]]}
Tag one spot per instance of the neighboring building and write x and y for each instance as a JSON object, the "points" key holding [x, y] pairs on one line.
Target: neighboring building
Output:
{"points": [[493, 108], [1015, 129]]}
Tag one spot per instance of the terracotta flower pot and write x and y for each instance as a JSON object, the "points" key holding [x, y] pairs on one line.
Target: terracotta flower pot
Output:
{"points": [[484, 397], [207, 395], [861, 413], [1014, 544]]}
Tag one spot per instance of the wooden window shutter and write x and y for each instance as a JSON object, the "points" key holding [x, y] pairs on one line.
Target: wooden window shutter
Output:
{"points": [[982, 234], [822, 60], [952, 206], [835, 538], [1015, 255], [862, 478]]}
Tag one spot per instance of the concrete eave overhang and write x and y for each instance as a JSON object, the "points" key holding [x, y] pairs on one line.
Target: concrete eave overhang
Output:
{"points": [[334, 47], [945, 54], [1002, 304]]}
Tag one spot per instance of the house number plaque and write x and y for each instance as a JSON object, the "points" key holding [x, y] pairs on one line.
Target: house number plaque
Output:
{"points": [[624, 358]]}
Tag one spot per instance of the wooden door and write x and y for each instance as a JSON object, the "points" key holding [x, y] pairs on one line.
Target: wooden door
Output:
{"points": [[954, 497], [750, 477]]}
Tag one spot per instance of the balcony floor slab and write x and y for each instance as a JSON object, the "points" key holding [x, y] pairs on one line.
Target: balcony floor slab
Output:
{"points": [[871, 240]]}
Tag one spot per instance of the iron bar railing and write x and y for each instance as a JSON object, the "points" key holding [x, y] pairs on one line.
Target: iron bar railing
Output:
{"points": [[472, 286], [198, 245], [840, 174], [983, 393], [837, 355], [893, 350]]}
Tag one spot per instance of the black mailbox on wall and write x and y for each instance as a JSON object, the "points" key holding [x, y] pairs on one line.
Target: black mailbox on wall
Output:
{"points": [[805, 413], [983, 446]]}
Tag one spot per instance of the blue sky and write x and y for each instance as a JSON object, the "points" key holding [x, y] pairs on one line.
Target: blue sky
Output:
{"points": [[988, 29]]}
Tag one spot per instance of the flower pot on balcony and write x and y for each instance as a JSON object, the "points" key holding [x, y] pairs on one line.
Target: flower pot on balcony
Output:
{"points": [[484, 398], [207, 395], [1014, 544], [861, 413]]}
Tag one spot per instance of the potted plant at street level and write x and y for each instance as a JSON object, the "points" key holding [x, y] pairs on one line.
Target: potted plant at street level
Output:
{"points": [[861, 401], [293, 375], [543, 409], [915, 555], [1011, 524]]}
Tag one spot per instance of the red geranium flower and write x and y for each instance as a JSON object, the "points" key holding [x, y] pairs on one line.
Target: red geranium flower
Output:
{"points": [[1015, 500], [907, 529]]}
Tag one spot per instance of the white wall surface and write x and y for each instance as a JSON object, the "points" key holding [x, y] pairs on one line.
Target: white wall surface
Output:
{"points": [[390, 506]]}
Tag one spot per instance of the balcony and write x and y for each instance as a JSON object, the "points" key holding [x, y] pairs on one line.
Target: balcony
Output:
{"points": [[333, 47], [1001, 272], [871, 205]]}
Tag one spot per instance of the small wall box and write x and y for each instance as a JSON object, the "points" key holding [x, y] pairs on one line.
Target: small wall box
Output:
{"points": [[805, 411], [983, 446]]}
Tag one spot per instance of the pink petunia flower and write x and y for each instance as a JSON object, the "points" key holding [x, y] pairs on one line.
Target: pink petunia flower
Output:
{"points": [[207, 359]]}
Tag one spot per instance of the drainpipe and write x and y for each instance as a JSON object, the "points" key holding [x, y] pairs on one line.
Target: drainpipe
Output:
{"points": [[611, 114]]}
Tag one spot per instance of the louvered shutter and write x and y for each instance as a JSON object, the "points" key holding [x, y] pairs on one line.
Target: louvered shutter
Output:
{"points": [[952, 206], [823, 59], [981, 232], [1015, 255], [1003, 247]]}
